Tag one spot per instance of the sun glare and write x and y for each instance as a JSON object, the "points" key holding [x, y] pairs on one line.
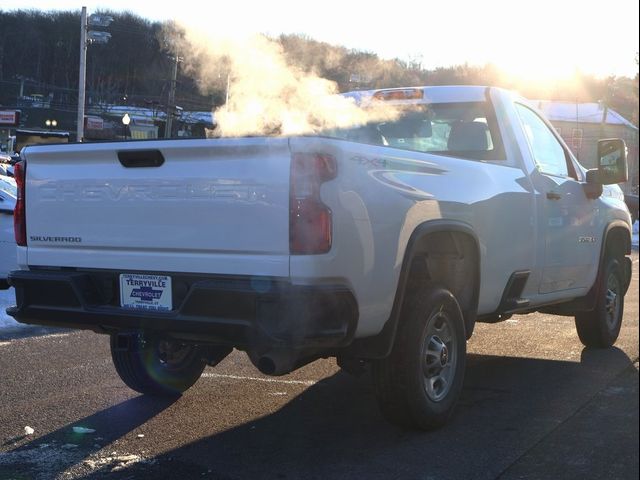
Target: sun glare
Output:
{"points": [[551, 42]]}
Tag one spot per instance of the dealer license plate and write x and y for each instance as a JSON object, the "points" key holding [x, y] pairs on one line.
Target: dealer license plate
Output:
{"points": [[145, 292]]}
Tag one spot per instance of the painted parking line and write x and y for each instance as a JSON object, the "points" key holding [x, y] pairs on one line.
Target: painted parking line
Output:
{"points": [[306, 383], [35, 338], [45, 337]]}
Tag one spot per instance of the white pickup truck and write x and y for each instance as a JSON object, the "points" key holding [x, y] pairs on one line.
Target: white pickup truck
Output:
{"points": [[381, 244]]}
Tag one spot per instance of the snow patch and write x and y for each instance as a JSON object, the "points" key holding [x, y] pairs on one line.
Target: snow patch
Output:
{"points": [[8, 322], [116, 462], [41, 460], [7, 299], [69, 460]]}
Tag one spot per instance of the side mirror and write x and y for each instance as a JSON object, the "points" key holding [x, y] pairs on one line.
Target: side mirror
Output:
{"points": [[612, 163]]}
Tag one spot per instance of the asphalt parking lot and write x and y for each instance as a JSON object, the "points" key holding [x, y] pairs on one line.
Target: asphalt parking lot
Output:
{"points": [[535, 405]]}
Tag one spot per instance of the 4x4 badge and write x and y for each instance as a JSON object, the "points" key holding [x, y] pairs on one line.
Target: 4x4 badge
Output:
{"points": [[586, 239]]}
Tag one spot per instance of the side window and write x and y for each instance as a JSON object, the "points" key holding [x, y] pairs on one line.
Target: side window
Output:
{"points": [[547, 151]]}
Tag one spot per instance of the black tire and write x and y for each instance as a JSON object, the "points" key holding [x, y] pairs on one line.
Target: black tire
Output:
{"points": [[156, 366], [600, 327], [406, 382]]}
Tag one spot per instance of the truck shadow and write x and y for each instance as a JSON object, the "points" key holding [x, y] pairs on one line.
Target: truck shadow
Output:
{"points": [[334, 429]]}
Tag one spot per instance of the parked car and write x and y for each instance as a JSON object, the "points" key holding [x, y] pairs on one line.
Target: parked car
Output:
{"points": [[6, 164], [8, 193], [6, 170]]}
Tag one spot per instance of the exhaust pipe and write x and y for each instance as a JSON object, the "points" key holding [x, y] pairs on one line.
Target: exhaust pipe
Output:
{"points": [[280, 362]]}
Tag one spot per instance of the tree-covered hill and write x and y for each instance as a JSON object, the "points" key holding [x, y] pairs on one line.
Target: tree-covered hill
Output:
{"points": [[39, 55]]}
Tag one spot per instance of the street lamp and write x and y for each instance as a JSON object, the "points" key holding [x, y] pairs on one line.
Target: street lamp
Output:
{"points": [[126, 120]]}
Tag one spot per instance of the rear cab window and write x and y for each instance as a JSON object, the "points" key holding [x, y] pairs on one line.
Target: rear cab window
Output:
{"points": [[467, 130]]}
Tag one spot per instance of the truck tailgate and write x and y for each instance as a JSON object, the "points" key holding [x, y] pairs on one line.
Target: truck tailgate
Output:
{"points": [[213, 206]]}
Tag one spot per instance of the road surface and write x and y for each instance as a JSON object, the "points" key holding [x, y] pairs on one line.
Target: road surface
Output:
{"points": [[535, 405]]}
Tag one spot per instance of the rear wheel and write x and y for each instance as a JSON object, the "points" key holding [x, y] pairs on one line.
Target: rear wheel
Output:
{"points": [[156, 366], [418, 385], [600, 327]]}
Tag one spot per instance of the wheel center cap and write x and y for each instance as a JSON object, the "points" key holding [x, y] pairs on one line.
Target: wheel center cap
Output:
{"points": [[444, 355]]}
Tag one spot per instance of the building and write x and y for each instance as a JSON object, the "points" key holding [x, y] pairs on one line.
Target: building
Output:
{"points": [[147, 123], [103, 122], [581, 125]]}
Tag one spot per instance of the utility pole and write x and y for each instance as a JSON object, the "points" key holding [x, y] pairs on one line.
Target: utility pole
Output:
{"points": [[83, 74], [608, 96], [88, 36], [605, 111], [22, 79], [172, 99]]}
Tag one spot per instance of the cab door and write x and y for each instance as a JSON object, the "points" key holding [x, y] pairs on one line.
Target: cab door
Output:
{"points": [[567, 218]]}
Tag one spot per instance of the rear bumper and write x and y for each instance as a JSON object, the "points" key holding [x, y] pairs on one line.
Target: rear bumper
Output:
{"points": [[238, 311]]}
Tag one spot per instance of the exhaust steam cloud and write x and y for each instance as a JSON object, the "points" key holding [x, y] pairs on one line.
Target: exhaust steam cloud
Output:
{"points": [[266, 95]]}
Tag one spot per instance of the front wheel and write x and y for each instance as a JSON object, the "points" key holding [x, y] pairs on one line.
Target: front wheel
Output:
{"points": [[156, 366], [418, 385], [600, 327]]}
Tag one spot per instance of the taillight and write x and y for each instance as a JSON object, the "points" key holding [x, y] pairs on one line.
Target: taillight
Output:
{"points": [[310, 228], [19, 213]]}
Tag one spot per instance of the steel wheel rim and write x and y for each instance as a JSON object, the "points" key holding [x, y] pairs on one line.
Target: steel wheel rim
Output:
{"points": [[612, 301], [439, 356]]}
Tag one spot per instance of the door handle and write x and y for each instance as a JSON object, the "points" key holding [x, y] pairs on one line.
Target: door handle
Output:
{"points": [[553, 196]]}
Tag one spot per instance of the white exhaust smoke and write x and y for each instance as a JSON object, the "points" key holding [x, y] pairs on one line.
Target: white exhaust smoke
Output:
{"points": [[266, 95]]}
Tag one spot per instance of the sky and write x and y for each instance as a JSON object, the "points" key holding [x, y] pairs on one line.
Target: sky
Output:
{"points": [[545, 39]]}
